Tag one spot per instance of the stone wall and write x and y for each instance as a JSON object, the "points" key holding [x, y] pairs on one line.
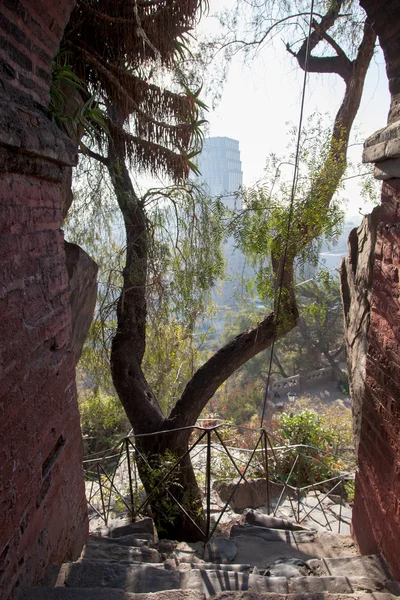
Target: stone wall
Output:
{"points": [[42, 504], [373, 334], [376, 514]]}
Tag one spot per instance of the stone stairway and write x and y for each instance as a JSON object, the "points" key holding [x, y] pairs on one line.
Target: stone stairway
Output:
{"points": [[262, 556]]}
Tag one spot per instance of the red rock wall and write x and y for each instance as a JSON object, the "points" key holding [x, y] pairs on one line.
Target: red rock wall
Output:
{"points": [[376, 513], [42, 505]]}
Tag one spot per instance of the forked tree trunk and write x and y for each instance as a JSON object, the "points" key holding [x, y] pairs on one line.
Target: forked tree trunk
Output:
{"points": [[128, 345]]}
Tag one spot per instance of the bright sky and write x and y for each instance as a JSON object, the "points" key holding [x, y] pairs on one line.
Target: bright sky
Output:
{"points": [[258, 100]]}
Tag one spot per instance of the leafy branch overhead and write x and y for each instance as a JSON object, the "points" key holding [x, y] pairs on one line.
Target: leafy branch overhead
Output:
{"points": [[122, 51]]}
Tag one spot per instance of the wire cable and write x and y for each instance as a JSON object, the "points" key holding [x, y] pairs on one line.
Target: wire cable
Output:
{"points": [[291, 206]]}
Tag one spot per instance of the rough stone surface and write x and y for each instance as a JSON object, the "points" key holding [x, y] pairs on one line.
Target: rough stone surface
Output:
{"points": [[108, 594], [357, 566], [82, 276], [356, 282], [258, 551], [95, 548], [289, 567], [124, 540], [131, 578], [274, 535], [255, 517], [220, 550], [189, 552], [252, 595], [42, 504], [213, 582], [122, 528], [376, 514], [249, 494], [387, 169]]}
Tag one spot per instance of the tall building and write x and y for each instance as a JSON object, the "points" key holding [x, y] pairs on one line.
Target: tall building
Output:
{"points": [[221, 168]]}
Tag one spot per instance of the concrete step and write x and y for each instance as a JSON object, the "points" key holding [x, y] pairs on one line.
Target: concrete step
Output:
{"points": [[106, 550]]}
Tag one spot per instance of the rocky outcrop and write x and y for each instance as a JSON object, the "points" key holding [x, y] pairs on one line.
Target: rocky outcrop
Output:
{"points": [[376, 374], [248, 494], [356, 284], [43, 511], [82, 274]]}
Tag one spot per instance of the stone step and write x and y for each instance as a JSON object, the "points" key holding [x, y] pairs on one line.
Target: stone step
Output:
{"points": [[107, 594], [373, 566], [106, 550], [214, 582], [119, 594], [125, 540], [136, 578], [122, 527], [273, 535], [252, 595], [260, 519], [254, 545], [130, 539], [244, 568]]}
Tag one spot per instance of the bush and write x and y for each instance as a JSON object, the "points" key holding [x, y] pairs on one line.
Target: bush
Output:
{"points": [[102, 418], [316, 463]]}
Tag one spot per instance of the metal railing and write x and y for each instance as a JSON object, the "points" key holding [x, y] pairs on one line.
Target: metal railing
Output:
{"points": [[113, 483]]}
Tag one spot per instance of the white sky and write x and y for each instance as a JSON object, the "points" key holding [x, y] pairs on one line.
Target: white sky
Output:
{"points": [[258, 100]]}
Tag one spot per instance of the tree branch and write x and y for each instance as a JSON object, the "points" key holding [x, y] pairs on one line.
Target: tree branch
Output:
{"points": [[328, 39], [236, 353], [88, 152], [340, 64]]}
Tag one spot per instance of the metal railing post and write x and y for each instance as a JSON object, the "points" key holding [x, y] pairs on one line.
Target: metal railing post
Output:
{"points": [[341, 503], [105, 516], [298, 487], [267, 470], [208, 477], [130, 477]]}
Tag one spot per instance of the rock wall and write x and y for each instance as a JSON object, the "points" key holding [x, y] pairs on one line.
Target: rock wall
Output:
{"points": [[376, 513], [356, 281], [42, 504], [373, 324]]}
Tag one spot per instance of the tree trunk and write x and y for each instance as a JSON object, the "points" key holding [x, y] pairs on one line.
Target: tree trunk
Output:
{"points": [[156, 456]]}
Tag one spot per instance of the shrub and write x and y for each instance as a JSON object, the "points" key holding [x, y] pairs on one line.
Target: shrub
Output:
{"points": [[316, 463], [102, 418]]}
